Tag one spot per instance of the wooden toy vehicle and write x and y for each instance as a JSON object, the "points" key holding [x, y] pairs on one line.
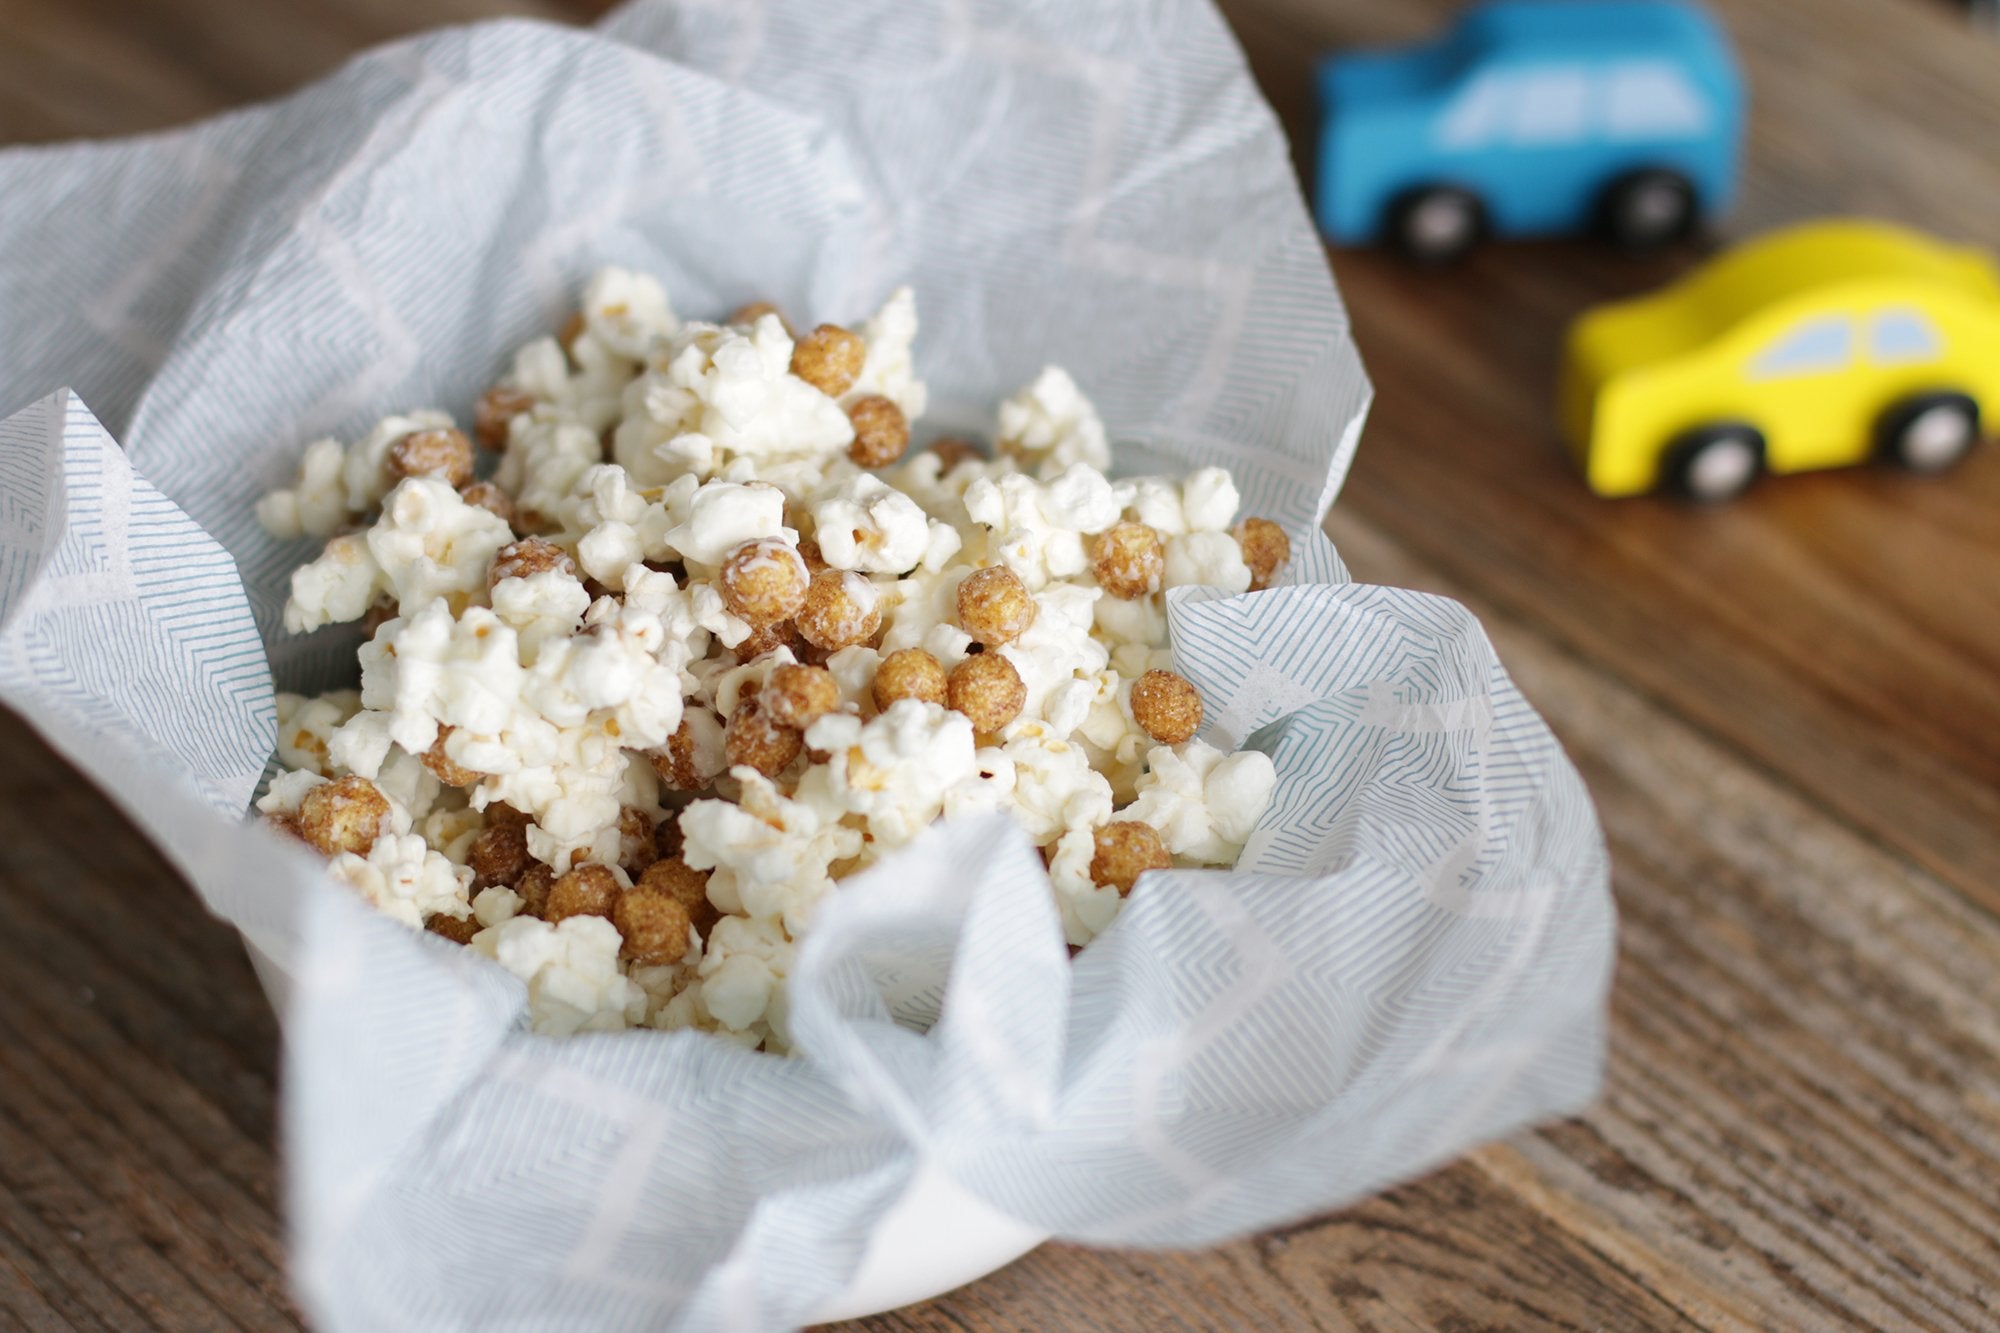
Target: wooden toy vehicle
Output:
{"points": [[1815, 346], [1533, 117]]}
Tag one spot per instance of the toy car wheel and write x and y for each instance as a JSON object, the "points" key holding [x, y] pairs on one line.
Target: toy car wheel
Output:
{"points": [[1714, 463], [1930, 432], [1647, 209], [1435, 224]]}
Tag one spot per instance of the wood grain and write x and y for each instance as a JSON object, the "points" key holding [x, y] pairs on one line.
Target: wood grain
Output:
{"points": [[1788, 712]]}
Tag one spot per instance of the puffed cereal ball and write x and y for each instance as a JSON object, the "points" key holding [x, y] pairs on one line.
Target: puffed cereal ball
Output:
{"points": [[994, 606], [377, 616], [810, 553], [345, 815], [654, 924], [881, 431], [447, 770], [841, 609], [667, 839], [988, 690], [755, 738], [457, 929], [1166, 706], [636, 849], [536, 884], [829, 358], [495, 411], [529, 556], [687, 886], [798, 696], [951, 451], [909, 673], [491, 498], [1130, 560], [1126, 849], [499, 855], [587, 890], [763, 581], [768, 639], [1265, 548], [444, 454]]}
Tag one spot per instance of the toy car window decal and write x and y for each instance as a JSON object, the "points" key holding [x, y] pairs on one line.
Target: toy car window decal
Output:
{"points": [[1901, 335], [1650, 99], [1551, 106], [1810, 348], [1474, 118]]}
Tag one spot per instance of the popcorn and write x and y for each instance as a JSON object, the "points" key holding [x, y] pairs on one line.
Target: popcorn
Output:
{"points": [[1203, 803], [1050, 425], [864, 525], [809, 662], [574, 984]]}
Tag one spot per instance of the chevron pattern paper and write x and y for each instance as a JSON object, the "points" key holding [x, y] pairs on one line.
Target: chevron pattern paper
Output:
{"points": [[1412, 956]]}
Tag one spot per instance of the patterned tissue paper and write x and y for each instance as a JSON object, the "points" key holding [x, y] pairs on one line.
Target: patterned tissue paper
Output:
{"points": [[1412, 956]]}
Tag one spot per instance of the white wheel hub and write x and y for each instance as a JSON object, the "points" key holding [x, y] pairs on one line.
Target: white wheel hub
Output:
{"points": [[1936, 437], [1721, 469], [1441, 223]]}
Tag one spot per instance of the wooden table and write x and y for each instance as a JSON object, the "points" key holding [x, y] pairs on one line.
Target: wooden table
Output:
{"points": [[1788, 710]]}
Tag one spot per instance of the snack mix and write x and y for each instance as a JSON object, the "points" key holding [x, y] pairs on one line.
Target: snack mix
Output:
{"points": [[711, 638]]}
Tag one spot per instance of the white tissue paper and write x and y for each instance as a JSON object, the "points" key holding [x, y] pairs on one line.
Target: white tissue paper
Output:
{"points": [[1412, 955]]}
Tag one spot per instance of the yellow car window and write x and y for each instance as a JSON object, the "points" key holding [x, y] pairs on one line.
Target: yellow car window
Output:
{"points": [[1811, 347], [1902, 335]]}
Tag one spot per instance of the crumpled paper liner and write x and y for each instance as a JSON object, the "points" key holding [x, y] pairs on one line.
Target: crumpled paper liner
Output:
{"points": [[1411, 957]]}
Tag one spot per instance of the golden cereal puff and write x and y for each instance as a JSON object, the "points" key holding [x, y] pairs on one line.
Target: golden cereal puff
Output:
{"points": [[457, 929], [994, 606], [495, 412], [444, 454], [768, 639], [909, 673], [1265, 550], [586, 890], [687, 886], [763, 581], [674, 761], [829, 358], [536, 884], [666, 839], [798, 696], [755, 738], [1130, 560], [528, 557], [377, 616], [1124, 850], [447, 770], [838, 614], [491, 498], [654, 925], [952, 450], [345, 815], [499, 855], [881, 431], [988, 690], [1166, 706]]}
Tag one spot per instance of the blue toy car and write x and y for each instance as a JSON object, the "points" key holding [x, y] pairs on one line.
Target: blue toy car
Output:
{"points": [[1533, 117]]}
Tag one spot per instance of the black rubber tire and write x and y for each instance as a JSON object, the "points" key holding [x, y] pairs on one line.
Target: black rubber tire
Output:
{"points": [[1646, 209], [1928, 433], [1435, 224], [1713, 464]]}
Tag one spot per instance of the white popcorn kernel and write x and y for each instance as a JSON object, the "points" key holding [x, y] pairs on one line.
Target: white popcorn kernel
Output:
{"points": [[404, 879], [365, 470], [571, 968], [338, 587], [1140, 620], [722, 515], [1037, 529], [1055, 788], [431, 544], [305, 726], [287, 790], [1087, 907], [888, 369], [1206, 559], [627, 311], [547, 455], [1051, 425], [771, 855], [1057, 646], [743, 969], [494, 904], [545, 605], [868, 526], [316, 503], [1202, 802], [1209, 499], [894, 770], [854, 675]]}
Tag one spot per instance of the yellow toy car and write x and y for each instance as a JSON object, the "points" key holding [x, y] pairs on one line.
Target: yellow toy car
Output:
{"points": [[1812, 347]]}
